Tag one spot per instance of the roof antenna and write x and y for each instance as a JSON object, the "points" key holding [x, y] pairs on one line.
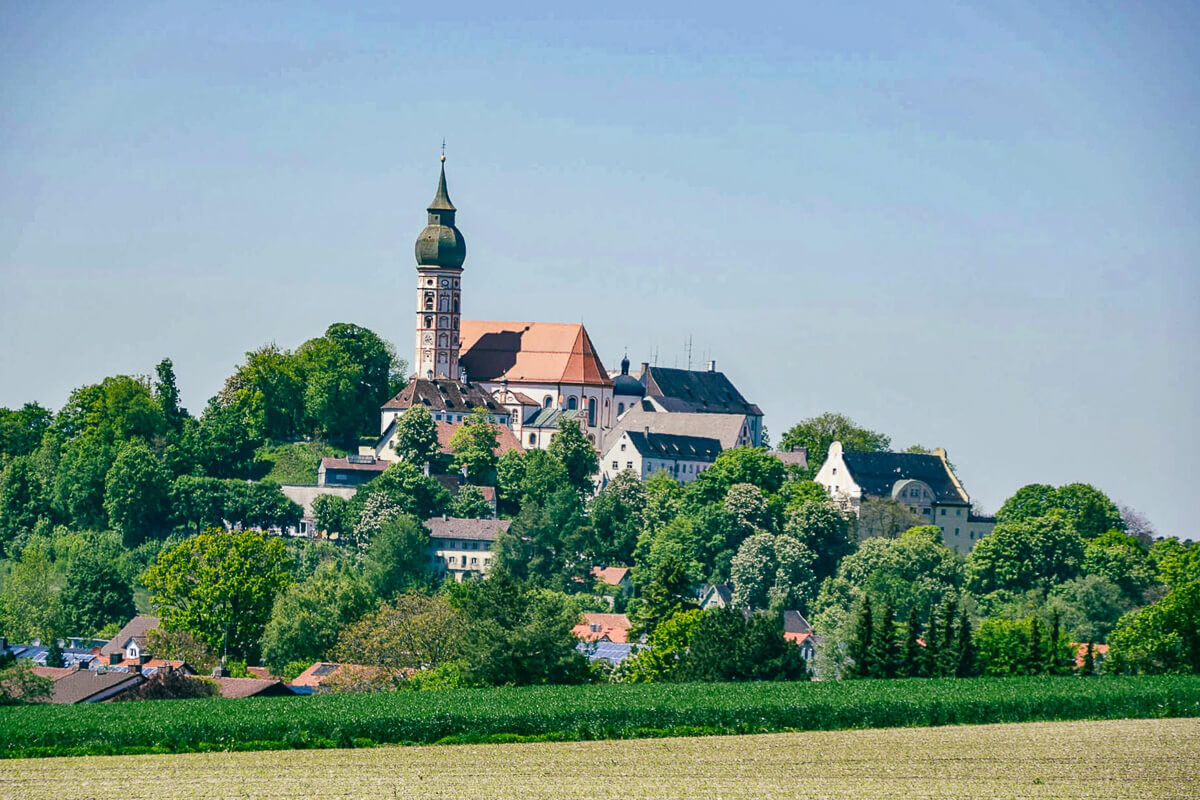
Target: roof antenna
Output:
{"points": [[688, 348]]}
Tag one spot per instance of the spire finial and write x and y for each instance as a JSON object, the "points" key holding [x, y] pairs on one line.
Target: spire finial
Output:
{"points": [[443, 150]]}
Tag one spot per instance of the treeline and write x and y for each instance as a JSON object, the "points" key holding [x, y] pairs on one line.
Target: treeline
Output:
{"points": [[124, 472]]}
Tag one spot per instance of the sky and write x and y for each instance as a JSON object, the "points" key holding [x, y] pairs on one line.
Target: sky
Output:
{"points": [[975, 228]]}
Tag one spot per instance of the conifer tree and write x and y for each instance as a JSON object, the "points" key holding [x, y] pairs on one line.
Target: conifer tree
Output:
{"points": [[1089, 660], [964, 646], [1054, 658], [928, 655], [947, 655], [859, 648], [1036, 659], [910, 651], [54, 654], [882, 653]]}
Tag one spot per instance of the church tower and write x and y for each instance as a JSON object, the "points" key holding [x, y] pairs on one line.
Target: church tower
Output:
{"points": [[440, 255]]}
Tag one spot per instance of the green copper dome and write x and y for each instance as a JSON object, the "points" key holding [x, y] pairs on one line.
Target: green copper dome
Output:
{"points": [[441, 244]]}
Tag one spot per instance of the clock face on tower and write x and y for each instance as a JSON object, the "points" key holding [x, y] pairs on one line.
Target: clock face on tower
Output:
{"points": [[445, 282]]}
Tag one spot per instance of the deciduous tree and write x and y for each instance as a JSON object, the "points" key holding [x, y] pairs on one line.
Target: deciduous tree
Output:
{"points": [[220, 587], [136, 492], [817, 433]]}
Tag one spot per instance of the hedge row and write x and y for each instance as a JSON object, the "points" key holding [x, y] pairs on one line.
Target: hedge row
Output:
{"points": [[580, 712]]}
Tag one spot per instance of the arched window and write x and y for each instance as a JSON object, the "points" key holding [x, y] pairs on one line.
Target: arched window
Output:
{"points": [[442, 322], [442, 340], [572, 404], [429, 301], [456, 305], [549, 400], [591, 412], [533, 438], [455, 322], [429, 322], [445, 305], [620, 409]]}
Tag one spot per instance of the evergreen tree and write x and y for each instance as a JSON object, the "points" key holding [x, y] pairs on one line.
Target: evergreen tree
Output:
{"points": [[167, 394], [54, 654], [965, 647], [927, 659], [882, 654], [859, 648], [910, 650], [1089, 660], [946, 659], [1036, 659], [1056, 664]]}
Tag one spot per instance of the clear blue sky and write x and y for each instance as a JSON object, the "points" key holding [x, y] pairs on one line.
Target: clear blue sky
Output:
{"points": [[975, 228]]}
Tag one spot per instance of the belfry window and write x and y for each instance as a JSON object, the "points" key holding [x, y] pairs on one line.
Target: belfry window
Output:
{"points": [[456, 305], [429, 322], [429, 301]]}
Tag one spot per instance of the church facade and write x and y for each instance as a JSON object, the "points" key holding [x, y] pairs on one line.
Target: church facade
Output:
{"points": [[530, 376]]}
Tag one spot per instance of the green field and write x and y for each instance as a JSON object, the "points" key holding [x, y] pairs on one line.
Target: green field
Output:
{"points": [[557, 713], [1117, 760]]}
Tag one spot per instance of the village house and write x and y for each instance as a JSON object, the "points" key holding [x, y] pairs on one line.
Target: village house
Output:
{"points": [[461, 547], [645, 453], [925, 484]]}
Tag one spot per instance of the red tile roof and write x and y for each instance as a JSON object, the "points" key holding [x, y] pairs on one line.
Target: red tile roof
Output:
{"points": [[796, 638], [505, 439], [379, 465], [531, 352], [322, 671], [251, 687], [609, 627], [1098, 651], [611, 576]]}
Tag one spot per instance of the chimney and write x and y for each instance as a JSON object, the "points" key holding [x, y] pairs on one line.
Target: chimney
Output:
{"points": [[712, 365], [143, 657], [645, 368]]}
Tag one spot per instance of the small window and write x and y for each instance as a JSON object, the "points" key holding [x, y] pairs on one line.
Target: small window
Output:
{"points": [[958, 512], [628, 465], [615, 464], [943, 512], [546, 403], [620, 409], [533, 438], [429, 322], [622, 447], [956, 531], [572, 404]]}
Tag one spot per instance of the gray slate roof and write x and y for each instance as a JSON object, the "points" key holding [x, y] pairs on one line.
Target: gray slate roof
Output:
{"points": [[487, 530], [136, 628], [443, 395], [725, 428], [699, 391], [674, 446], [551, 417], [877, 473]]}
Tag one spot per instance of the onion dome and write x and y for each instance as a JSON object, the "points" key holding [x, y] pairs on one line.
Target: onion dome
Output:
{"points": [[441, 244], [627, 385]]}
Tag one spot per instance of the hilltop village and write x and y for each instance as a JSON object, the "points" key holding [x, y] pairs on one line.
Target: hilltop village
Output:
{"points": [[510, 510]]}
